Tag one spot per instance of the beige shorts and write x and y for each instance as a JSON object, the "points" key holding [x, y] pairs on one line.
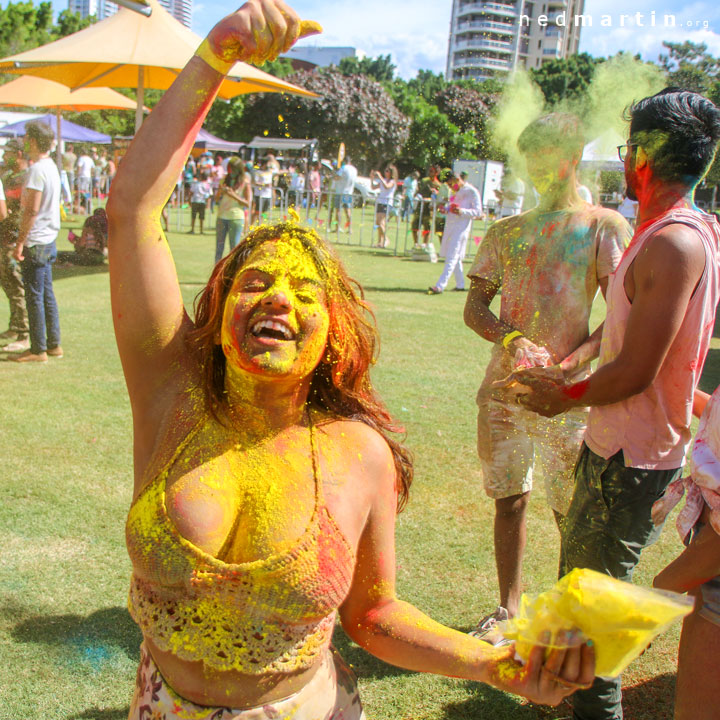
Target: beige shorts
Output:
{"points": [[331, 694], [513, 441]]}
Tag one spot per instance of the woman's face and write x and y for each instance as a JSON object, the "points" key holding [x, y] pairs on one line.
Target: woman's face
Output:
{"points": [[276, 317]]}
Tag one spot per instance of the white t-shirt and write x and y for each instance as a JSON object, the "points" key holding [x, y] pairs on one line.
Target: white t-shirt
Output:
{"points": [[44, 176], [263, 184], [346, 179], [2, 191], [85, 166], [628, 209], [386, 194]]}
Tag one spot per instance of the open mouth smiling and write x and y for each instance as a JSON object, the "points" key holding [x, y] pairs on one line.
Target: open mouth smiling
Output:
{"points": [[267, 329]]}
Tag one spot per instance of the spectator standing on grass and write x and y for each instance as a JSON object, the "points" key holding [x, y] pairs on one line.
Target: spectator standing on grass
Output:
{"points": [[628, 209], [234, 201], [85, 171], [424, 209], [217, 175], [549, 263], [315, 184], [410, 184], [512, 195], [463, 208], [344, 187], [69, 160], [13, 179], [35, 248], [262, 192], [660, 317], [200, 192], [387, 183]]}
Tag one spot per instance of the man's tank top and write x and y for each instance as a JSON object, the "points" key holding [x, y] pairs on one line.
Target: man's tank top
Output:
{"points": [[652, 428]]}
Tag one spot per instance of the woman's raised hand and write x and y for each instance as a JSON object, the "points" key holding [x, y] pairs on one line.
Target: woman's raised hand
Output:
{"points": [[260, 30]]}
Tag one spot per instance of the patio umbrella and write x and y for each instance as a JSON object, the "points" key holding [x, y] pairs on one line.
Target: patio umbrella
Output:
{"points": [[132, 51], [31, 91]]}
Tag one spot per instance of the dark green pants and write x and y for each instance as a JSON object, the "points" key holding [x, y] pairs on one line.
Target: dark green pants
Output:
{"points": [[606, 528]]}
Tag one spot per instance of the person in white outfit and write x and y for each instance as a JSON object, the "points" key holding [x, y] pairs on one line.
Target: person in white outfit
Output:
{"points": [[462, 209]]}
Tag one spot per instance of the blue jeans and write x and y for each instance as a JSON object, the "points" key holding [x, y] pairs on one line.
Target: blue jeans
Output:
{"points": [[233, 229], [44, 321]]}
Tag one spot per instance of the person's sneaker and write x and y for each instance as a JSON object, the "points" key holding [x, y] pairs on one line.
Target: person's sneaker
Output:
{"points": [[56, 352], [29, 357], [487, 629], [8, 335], [17, 346], [432, 290]]}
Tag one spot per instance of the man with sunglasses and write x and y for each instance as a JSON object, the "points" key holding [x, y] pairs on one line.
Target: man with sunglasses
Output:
{"points": [[661, 310]]}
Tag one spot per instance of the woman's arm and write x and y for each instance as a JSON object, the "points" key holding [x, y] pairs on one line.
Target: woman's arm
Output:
{"points": [[150, 321], [400, 634], [698, 563]]}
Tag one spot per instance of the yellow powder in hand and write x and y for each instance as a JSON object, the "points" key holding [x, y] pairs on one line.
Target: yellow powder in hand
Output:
{"points": [[620, 618]]}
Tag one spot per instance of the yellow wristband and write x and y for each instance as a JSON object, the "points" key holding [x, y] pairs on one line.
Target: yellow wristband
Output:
{"points": [[510, 337], [214, 61]]}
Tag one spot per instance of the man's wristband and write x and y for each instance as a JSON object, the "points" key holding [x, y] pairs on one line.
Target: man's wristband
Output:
{"points": [[510, 337], [206, 53]]}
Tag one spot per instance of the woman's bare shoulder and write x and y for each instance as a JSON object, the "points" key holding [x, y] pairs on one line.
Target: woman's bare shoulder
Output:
{"points": [[362, 446]]}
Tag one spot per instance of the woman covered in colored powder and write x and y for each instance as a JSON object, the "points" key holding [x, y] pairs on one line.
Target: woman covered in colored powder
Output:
{"points": [[266, 478]]}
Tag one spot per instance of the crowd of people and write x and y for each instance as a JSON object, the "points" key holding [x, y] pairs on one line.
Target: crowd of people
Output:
{"points": [[268, 472]]}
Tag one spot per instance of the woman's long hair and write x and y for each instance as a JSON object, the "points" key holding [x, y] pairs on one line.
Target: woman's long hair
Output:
{"points": [[341, 383]]}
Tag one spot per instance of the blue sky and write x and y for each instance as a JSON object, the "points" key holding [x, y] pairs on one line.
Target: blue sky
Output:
{"points": [[415, 32]]}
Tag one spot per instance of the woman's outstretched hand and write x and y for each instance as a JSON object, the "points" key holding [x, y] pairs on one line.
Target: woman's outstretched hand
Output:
{"points": [[260, 30], [547, 680]]}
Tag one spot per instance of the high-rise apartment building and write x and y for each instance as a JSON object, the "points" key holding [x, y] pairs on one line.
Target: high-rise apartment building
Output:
{"points": [[180, 9], [489, 38]]}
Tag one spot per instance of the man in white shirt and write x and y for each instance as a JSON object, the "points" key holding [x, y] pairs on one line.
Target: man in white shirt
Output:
{"points": [[464, 207], [35, 248], [85, 170], [344, 187]]}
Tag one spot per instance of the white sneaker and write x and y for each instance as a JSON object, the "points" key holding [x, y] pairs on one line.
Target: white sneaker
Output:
{"points": [[487, 629], [17, 346]]}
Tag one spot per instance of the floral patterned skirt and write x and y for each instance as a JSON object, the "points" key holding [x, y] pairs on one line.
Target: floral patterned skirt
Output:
{"points": [[331, 694]]}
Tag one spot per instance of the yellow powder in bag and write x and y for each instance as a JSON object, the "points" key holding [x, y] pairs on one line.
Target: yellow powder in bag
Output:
{"points": [[620, 618]]}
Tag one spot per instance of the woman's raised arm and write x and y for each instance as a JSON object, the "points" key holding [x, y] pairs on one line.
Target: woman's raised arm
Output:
{"points": [[148, 313]]}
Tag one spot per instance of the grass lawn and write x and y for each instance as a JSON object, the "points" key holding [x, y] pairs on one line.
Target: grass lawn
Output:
{"points": [[68, 648]]}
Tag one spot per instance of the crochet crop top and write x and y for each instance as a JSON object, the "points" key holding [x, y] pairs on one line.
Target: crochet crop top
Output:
{"points": [[273, 615]]}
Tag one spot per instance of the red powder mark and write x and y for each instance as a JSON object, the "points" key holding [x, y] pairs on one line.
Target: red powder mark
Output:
{"points": [[576, 391], [119, 315]]}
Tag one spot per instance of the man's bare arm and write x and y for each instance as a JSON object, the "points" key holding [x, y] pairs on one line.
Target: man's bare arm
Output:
{"points": [[665, 275]]}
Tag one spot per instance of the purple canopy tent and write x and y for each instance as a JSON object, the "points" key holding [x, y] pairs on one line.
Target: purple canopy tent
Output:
{"points": [[207, 141], [70, 131]]}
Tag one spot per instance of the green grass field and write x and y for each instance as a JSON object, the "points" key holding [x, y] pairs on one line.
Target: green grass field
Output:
{"points": [[68, 648]]}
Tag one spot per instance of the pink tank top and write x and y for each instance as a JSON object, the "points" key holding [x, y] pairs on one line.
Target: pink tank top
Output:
{"points": [[652, 428]]}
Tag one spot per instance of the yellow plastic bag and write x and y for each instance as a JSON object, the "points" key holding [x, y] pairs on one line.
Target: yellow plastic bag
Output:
{"points": [[620, 618]]}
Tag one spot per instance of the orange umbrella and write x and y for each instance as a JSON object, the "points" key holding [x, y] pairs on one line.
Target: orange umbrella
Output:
{"points": [[132, 51], [37, 92]]}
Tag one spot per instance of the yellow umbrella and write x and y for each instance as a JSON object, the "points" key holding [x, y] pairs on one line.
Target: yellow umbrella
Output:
{"points": [[28, 91], [31, 91], [132, 51]]}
